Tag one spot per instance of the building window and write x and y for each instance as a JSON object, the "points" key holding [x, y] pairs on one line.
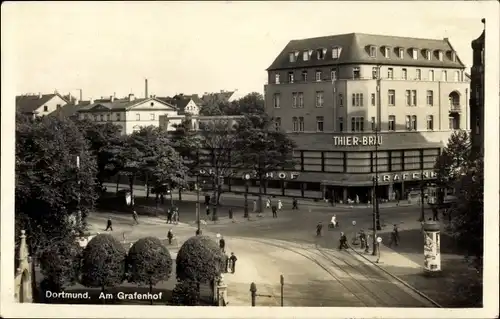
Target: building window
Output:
{"points": [[96, 118], [301, 124], [391, 97], [357, 99], [294, 99], [305, 55], [292, 56], [430, 98], [277, 78], [320, 53], [137, 116], [276, 100], [304, 76], [118, 117], [353, 99], [357, 124], [58, 106], [431, 75], [336, 52], [404, 74], [277, 124], [374, 72], [444, 76], [415, 54], [290, 77], [407, 122], [386, 52], [451, 123], [45, 108], [391, 123], [295, 124], [333, 75], [319, 99], [430, 122], [456, 76], [356, 73], [453, 56], [373, 99], [408, 97], [411, 97], [373, 52], [373, 123], [318, 76], [440, 55], [108, 117], [418, 74], [341, 100], [390, 73], [102, 117], [413, 122], [341, 124], [319, 123], [428, 55], [401, 53], [301, 100], [152, 116]]}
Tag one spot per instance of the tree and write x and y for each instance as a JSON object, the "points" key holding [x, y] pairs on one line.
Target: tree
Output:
{"points": [[199, 260], [50, 189], [148, 262], [252, 103], [60, 264], [212, 108], [186, 293], [217, 155], [261, 148], [103, 262]]}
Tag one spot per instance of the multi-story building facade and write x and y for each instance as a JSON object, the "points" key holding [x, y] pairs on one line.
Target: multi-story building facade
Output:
{"points": [[477, 93], [337, 95]]}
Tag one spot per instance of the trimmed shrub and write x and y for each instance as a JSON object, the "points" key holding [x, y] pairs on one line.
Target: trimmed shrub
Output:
{"points": [[199, 260], [186, 293], [148, 262], [103, 262], [60, 264]]}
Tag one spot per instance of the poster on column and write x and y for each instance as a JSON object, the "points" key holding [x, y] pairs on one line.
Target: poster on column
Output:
{"points": [[431, 252]]}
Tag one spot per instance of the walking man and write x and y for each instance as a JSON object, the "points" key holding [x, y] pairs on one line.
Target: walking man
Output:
{"points": [[136, 217], [435, 213], [169, 216], [319, 227], [170, 236], [175, 215], [254, 205], [222, 244], [275, 211], [394, 236], [295, 204], [343, 241], [280, 205], [109, 225], [233, 262]]}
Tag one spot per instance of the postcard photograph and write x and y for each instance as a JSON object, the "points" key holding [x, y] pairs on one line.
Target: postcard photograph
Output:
{"points": [[282, 159]]}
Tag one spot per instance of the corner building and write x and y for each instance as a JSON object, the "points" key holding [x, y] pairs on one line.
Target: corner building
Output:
{"points": [[361, 105]]}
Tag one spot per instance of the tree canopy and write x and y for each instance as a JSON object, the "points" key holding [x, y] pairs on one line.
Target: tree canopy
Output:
{"points": [[60, 263], [148, 262]]}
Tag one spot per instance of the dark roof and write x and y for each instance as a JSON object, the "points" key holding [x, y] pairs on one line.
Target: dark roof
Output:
{"points": [[120, 104], [29, 103], [70, 109], [219, 97], [479, 42], [196, 99], [355, 48]]}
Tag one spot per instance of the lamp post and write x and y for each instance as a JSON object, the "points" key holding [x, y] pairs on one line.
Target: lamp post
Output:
{"points": [[422, 185], [377, 127], [198, 228]]}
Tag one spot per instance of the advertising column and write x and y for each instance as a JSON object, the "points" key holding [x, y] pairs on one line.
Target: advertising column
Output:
{"points": [[432, 255]]}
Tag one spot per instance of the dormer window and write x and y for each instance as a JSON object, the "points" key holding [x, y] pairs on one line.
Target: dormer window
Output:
{"points": [[320, 53], [305, 55], [428, 55], [373, 51], [293, 56], [336, 52], [453, 56], [386, 52], [440, 55], [277, 78], [401, 53], [290, 77], [414, 54]]}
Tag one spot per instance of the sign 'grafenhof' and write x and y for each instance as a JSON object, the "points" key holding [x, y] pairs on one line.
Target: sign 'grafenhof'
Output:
{"points": [[366, 140], [407, 176]]}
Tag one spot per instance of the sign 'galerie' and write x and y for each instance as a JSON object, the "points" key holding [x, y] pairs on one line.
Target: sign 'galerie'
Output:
{"points": [[370, 140]]}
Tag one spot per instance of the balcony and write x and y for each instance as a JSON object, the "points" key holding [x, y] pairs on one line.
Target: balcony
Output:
{"points": [[455, 108]]}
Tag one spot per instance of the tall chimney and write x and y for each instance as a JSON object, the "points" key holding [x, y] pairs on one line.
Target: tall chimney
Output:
{"points": [[146, 88], [91, 100], [131, 97], [81, 96], [39, 95], [112, 98]]}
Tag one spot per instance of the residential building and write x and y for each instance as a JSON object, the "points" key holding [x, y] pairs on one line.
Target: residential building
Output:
{"points": [[220, 97], [197, 120], [130, 113], [361, 106], [39, 104], [185, 104], [477, 92]]}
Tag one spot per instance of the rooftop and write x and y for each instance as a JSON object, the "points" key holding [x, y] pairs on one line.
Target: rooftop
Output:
{"points": [[29, 103]]}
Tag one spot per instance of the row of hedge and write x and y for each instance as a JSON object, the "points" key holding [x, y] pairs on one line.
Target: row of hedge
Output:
{"points": [[105, 263]]}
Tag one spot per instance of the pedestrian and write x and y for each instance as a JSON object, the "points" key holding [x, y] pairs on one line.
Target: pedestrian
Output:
{"points": [[207, 199], [319, 227], [254, 205], [396, 232], [362, 238], [226, 263], [109, 225], [280, 205], [367, 243], [435, 213], [275, 211], [343, 241], [170, 236], [222, 244], [394, 236], [136, 217], [295, 204], [268, 203], [233, 262], [208, 211], [230, 213], [169, 216], [175, 215], [333, 221]]}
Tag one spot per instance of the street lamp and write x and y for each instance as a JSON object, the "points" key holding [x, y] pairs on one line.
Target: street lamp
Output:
{"points": [[198, 229], [377, 127]]}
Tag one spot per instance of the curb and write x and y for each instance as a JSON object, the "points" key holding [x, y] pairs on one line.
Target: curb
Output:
{"points": [[397, 278]]}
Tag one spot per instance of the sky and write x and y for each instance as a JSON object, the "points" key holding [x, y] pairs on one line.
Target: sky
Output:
{"points": [[196, 47]]}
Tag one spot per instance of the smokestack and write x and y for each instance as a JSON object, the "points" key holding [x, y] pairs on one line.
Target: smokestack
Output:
{"points": [[91, 100], [112, 98], [131, 97], [39, 95], [146, 88], [81, 96], [77, 101]]}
